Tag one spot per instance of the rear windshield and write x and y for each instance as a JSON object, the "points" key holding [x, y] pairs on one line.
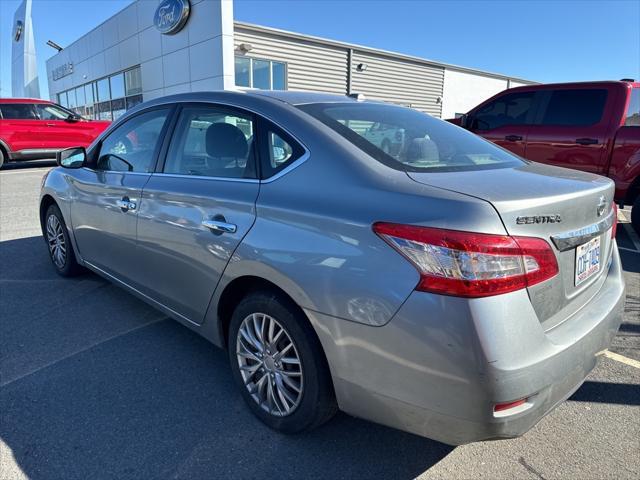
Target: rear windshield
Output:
{"points": [[405, 139]]}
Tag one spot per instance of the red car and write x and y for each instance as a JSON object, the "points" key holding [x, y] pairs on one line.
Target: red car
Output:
{"points": [[34, 129], [590, 126]]}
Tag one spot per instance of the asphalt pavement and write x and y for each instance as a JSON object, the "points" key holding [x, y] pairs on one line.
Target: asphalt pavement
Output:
{"points": [[96, 384]]}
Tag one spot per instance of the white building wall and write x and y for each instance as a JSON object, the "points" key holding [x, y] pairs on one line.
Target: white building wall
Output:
{"points": [[24, 69], [198, 57], [462, 91]]}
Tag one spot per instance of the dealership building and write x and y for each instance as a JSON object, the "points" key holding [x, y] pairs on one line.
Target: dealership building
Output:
{"points": [[154, 48]]}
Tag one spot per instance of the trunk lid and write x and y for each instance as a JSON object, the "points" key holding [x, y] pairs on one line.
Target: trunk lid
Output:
{"points": [[565, 207]]}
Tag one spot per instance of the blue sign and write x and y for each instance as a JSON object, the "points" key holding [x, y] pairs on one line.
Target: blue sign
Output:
{"points": [[171, 16]]}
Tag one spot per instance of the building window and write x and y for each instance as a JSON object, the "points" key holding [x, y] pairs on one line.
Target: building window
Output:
{"points": [[117, 85], [243, 72], [107, 98], [260, 73]]}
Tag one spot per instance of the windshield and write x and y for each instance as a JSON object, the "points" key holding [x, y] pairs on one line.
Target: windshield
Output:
{"points": [[405, 139]]}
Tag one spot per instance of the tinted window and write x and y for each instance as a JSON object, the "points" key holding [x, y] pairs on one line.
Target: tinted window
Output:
{"points": [[212, 142], [132, 146], [416, 141], [52, 112], [18, 111], [633, 112], [279, 151], [575, 107], [509, 109]]}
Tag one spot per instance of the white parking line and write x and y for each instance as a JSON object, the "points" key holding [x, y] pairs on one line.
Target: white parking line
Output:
{"points": [[621, 358]]}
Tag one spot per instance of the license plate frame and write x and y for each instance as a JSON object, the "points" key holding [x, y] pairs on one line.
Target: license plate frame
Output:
{"points": [[587, 260]]}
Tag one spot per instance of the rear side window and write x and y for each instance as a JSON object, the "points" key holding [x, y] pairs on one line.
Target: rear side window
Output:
{"points": [[212, 142], [575, 108], [279, 150], [18, 111], [633, 112], [511, 109]]}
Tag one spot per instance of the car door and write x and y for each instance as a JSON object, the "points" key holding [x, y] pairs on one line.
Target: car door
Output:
{"points": [[20, 127], [62, 131], [197, 207], [571, 128], [108, 195], [505, 120]]}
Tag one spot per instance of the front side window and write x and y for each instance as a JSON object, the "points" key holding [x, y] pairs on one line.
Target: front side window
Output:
{"points": [[52, 112], [412, 141], [212, 142], [575, 108], [132, 146], [18, 111], [511, 109], [632, 118]]}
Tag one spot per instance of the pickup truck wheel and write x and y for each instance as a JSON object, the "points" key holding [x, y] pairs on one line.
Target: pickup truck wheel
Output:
{"points": [[635, 215]]}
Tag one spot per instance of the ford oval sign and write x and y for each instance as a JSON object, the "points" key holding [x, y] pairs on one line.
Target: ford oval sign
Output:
{"points": [[171, 15]]}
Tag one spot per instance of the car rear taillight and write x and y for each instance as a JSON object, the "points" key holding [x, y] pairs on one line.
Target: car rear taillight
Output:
{"points": [[614, 229], [467, 264]]}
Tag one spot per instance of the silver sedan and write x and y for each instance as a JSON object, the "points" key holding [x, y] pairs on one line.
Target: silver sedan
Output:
{"points": [[443, 287]]}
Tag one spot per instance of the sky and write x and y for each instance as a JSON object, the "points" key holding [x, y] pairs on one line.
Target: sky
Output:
{"points": [[543, 40]]}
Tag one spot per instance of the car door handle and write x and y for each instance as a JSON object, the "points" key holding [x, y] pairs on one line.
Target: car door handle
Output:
{"points": [[587, 141], [513, 138], [126, 204], [51, 124], [220, 226]]}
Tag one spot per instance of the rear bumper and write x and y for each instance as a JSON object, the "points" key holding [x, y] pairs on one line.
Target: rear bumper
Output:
{"points": [[442, 363]]}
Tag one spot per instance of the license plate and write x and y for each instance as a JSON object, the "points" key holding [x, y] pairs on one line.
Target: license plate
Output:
{"points": [[587, 260]]}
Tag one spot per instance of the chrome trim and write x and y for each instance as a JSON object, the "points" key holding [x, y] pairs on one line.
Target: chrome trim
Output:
{"points": [[205, 177], [121, 172], [303, 158], [219, 226], [568, 240]]}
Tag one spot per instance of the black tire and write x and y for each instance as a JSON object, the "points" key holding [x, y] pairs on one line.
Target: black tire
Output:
{"points": [[317, 402], [1, 157], [635, 215], [69, 267]]}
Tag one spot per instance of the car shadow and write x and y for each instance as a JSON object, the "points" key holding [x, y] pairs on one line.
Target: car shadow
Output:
{"points": [[96, 384], [606, 392]]}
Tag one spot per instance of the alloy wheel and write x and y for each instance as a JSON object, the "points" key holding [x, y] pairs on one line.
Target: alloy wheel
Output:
{"points": [[57, 244], [269, 364]]}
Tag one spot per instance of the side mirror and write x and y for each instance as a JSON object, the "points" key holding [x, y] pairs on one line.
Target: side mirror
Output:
{"points": [[72, 157], [73, 117]]}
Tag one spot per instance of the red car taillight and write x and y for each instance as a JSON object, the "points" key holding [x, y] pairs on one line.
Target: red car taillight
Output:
{"points": [[614, 229], [466, 264]]}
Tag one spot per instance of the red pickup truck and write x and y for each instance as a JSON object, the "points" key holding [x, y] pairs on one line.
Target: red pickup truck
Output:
{"points": [[590, 126], [32, 128]]}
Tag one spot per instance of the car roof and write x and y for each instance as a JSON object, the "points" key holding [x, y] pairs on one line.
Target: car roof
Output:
{"points": [[23, 100], [601, 83], [299, 97]]}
